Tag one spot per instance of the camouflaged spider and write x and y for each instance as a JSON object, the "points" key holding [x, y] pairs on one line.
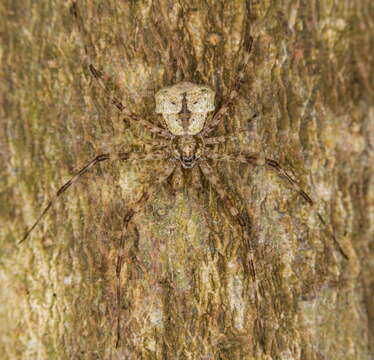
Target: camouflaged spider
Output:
{"points": [[184, 108], [188, 118]]}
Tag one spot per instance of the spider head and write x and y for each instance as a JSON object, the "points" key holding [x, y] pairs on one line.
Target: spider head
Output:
{"points": [[184, 107], [188, 150]]}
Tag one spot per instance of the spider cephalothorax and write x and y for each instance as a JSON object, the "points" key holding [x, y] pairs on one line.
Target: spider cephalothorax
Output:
{"points": [[187, 149]]}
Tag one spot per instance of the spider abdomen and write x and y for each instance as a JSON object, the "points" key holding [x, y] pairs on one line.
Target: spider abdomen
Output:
{"points": [[185, 107]]}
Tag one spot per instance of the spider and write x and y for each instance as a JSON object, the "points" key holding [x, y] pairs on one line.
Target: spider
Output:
{"points": [[184, 107], [189, 117]]}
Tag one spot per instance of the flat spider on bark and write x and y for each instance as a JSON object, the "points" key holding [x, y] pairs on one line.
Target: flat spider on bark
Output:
{"points": [[188, 116], [186, 112], [185, 108]]}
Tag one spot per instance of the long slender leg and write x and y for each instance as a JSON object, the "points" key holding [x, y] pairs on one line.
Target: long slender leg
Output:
{"points": [[224, 138], [89, 49], [273, 164], [230, 136], [126, 219], [220, 139], [258, 160], [154, 143], [129, 114], [211, 176], [124, 156], [234, 90]]}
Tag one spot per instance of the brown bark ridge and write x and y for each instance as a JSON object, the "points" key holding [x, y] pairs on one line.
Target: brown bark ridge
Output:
{"points": [[186, 289]]}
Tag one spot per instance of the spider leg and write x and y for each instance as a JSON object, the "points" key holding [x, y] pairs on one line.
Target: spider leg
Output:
{"points": [[119, 105], [258, 160], [125, 156], [220, 139], [157, 143], [233, 93], [274, 165], [229, 137], [89, 50], [223, 194], [120, 257]]}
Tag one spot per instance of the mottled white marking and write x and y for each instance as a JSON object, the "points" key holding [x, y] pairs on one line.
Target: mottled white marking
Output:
{"points": [[199, 100]]}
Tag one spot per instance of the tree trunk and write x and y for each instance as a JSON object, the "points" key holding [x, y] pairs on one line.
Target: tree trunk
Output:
{"points": [[186, 291]]}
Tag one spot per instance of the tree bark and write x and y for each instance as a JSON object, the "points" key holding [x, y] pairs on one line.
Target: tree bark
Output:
{"points": [[306, 101]]}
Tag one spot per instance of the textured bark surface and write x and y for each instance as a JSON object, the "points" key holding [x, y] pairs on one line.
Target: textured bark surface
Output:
{"points": [[186, 291]]}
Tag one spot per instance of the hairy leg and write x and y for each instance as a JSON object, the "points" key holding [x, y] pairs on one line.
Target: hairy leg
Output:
{"points": [[258, 160], [233, 93], [220, 139], [230, 137], [128, 114], [126, 220], [100, 77], [124, 156], [213, 179]]}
